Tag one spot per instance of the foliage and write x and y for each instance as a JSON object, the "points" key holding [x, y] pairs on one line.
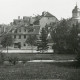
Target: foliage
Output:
{"points": [[7, 40], [13, 60], [1, 58], [42, 45], [65, 36], [72, 39], [31, 40]]}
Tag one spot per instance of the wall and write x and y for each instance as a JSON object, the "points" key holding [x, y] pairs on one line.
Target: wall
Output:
{"points": [[46, 20]]}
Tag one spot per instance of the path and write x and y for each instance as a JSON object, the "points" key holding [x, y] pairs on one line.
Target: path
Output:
{"points": [[51, 60], [24, 51]]}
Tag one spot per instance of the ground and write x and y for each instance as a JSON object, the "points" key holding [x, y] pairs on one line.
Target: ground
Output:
{"points": [[40, 70], [37, 71], [39, 56]]}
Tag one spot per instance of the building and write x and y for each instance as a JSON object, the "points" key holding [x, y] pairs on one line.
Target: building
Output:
{"points": [[46, 19], [20, 35], [21, 28], [76, 14]]}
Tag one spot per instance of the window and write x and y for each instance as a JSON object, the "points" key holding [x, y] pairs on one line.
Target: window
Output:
{"points": [[19, 36], [24, 30], [14, 36], [15, 31], [19, 30], [24, 36], [24, 44]]}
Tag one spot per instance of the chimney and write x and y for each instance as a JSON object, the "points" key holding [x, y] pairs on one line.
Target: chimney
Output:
{"points": [[18, 17], [43, 13]]}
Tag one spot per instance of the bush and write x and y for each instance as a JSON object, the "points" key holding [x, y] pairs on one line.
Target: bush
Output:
{"points": [[1, 58], [24, 61], [78, 60], [13, 60]]}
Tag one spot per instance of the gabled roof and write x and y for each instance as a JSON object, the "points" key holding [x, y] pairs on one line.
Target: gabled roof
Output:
{"points": [[35, 28], [47, 14]]}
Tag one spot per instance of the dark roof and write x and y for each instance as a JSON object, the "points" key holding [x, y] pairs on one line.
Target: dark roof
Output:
{"points": [[35, 31], [36, 22]]}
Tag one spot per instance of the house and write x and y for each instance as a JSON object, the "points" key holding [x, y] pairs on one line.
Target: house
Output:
{"points": [[46, 19], [20, 34]]}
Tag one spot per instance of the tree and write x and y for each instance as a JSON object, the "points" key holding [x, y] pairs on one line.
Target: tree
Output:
{"points": [[31, 40], [65, 36], [42, 45], [6, 41], [59, 35], [72, 39]]}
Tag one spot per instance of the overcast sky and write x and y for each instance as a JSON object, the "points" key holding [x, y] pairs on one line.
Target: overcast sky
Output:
{"points": [[11, 9]]}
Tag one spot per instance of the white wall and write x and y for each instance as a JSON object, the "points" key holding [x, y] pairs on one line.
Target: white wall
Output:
{"points": [[46, 20]]}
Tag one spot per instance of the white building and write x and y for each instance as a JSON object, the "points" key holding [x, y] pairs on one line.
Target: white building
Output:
{"points": [[20, 34], [46, 19]]}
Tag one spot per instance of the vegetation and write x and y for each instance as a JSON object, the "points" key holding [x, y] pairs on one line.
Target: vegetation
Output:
{"points": [[13, 60], [1, 58], [31, 40], [42, 45], [6, 41], [65, 37], [39, 71]]}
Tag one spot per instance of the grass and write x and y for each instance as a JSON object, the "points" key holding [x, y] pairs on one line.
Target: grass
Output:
{"points": [[27, 71], [39, 56], [39, 71]]}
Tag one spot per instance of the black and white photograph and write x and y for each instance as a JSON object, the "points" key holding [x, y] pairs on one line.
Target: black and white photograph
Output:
{"points": [[39, 40]]}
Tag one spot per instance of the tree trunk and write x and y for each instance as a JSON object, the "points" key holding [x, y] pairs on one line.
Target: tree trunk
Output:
{"points": [[7, 49], [32, 48]]}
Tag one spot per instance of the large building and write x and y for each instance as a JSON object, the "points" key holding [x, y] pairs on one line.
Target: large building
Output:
{"points": [[21, 33], [22, 27]]}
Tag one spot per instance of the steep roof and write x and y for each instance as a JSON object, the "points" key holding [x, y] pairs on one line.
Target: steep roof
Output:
{"points": [[35, 31], [47, 14]]}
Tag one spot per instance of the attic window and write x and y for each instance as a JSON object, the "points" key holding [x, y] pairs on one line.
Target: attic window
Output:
{"points": [[24, 30], [24, 36], [19, 30], [15, 31]]}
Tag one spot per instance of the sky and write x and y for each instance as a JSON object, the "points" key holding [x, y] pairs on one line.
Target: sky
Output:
{"points": [[11, 9]]}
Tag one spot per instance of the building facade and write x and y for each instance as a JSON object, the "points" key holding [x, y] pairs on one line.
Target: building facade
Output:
{"points": [[46, 19], [21, 33]]}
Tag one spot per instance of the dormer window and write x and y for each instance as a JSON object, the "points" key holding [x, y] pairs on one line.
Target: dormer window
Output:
{"points": [[24, 30], [19, 30], [15, 31], [14, 36]]}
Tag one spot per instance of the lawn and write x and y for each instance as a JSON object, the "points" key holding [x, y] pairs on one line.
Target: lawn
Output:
{"points": [[27, 71], [39, 56], [40, 71]]}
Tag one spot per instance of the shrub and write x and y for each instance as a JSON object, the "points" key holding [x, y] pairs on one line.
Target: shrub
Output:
{"points": [[24, 61], [1, 58], [13, 60]]}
